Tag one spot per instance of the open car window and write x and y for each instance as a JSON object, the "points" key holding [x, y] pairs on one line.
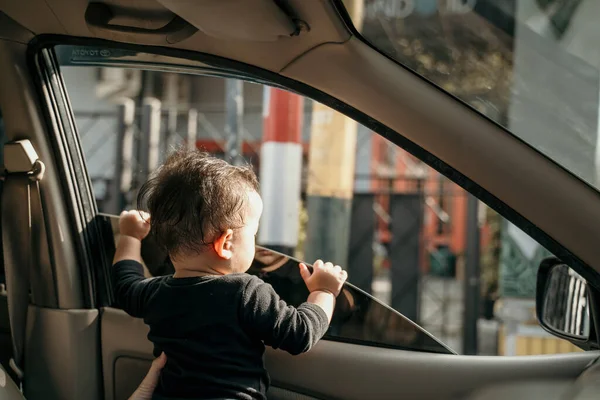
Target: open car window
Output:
{"points": [[358, 317], [395, 224], [527, 65]]}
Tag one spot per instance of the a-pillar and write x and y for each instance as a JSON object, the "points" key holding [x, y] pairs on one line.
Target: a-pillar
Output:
{"points": [[281, 170]]}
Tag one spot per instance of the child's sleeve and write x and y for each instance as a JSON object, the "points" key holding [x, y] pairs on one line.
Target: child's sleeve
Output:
{"points": [[131, 288], [268, 318]]}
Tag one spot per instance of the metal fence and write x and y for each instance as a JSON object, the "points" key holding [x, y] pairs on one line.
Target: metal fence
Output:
{"points": [[120, 157]]}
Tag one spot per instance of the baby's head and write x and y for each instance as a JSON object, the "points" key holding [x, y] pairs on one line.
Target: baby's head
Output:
{"points": [[203, 208]]}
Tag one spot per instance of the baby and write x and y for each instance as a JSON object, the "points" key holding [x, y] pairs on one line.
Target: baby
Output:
{"points": [[210, 317]]}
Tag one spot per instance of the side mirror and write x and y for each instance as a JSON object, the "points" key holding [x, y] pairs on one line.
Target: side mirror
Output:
{"points": [[563, 301]]}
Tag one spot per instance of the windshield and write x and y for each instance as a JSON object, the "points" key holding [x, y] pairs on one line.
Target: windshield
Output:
{"points": [[532, 66]]}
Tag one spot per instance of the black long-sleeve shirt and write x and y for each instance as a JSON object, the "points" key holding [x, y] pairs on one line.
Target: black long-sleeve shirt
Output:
{"points": [[214, 329]]}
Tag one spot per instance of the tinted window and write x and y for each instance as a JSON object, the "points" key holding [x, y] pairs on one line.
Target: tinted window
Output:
{"points": [[358, 317]]}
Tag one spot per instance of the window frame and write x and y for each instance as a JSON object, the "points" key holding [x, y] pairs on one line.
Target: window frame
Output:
{"points": [[59, 121], [243, 71], [108, 238]]}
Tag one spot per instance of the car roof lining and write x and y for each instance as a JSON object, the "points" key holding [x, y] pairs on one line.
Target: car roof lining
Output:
{"points": [[12, 30], [392, 99], [67, 18]]}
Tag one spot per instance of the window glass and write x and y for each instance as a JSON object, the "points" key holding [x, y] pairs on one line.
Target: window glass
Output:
{"points": [[332, 189], [532, 66], [358, 317]]}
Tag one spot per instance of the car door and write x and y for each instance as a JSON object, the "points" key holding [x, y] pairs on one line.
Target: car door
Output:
{"points": [[367, 332], [80, 347]]}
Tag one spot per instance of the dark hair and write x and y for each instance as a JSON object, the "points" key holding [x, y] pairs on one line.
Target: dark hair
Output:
{"points": [[193, 197]]}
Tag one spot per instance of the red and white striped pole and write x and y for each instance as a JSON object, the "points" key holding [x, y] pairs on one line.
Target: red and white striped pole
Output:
{"points": [[281, 169]]}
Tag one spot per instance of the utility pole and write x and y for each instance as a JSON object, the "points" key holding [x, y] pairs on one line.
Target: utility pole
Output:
{"points": [[234, 115], [192, 128], [472, 278], [281, 150], [149, 138], [192, 117], [330, 186], [171, 97], [121, 185]]}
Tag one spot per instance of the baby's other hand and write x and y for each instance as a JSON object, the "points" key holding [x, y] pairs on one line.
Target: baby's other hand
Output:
{"points": [[325, 276], [135, 224]]}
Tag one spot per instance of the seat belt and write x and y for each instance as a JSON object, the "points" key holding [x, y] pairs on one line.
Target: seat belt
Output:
{"points": [[24, 237]]}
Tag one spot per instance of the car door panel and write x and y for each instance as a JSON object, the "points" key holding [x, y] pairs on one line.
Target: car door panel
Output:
{"points": [[8, 388], [353, 371], [360, 372], [124, 343], [61, 341], [531, 390], [344, 370], [64, 347], [59, 347]]}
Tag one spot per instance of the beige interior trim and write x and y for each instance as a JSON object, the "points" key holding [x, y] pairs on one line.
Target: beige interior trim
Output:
{"points": [[235, 19], [61, 342], [67, 18], [8, 388], [542, 390], [11, 30], [62, 355], [23, 120], [362, 372], [121, 335], [352, 372]]}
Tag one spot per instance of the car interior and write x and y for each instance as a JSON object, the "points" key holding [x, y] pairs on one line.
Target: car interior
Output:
{"points": [[57, 319]]}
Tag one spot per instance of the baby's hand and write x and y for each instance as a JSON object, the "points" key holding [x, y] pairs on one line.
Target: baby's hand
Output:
{"points": [[325, 277], [135, 224]]}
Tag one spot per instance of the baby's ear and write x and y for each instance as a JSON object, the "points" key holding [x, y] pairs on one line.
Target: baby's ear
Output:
{"points": [[222, 245]]}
